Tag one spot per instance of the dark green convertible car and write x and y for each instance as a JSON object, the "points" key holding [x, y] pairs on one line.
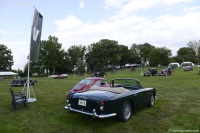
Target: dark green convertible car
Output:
{"points": [[120, 99]]}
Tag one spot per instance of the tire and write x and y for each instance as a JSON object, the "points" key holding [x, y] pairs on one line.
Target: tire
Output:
{"points": [[152, 101], [34, 83], [125, 112]]}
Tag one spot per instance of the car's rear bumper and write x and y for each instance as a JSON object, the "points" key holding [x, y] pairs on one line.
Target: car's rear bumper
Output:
{"points": [[162, 74], [94, 114]]}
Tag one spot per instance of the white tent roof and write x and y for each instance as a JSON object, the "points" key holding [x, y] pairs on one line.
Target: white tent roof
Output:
{"points": [[7, 73]]}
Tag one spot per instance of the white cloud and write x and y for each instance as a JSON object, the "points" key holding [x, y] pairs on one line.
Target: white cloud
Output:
{"points": [[114, 3], [138, 5], [171, 31], [141, 4], [70, 22], [18, 32], [173, 2], [3, 32], [191, 9], [130, 6], [82, 4]]}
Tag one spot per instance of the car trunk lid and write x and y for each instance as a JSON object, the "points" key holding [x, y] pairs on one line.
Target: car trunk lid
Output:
{"points": [[94, 94]]}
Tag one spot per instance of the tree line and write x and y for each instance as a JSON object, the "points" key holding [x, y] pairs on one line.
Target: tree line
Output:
{"points": [[103, 55]]}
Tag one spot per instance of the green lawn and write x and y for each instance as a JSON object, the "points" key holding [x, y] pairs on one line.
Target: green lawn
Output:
{"points": [[177, 107]]}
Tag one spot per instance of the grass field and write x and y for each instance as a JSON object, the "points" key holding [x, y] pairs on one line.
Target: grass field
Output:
{"points": [[177, 107]]}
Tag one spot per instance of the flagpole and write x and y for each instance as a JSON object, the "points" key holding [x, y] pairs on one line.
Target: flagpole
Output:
{"points": [[29, 57], [36, 28]]}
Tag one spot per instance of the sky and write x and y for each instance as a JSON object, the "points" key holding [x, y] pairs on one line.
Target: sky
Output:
{"points": [[162, 23]]}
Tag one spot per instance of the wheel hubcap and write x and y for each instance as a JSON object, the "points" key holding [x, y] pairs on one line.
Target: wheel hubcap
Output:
{"points": [[127, 112], [152, 100]]}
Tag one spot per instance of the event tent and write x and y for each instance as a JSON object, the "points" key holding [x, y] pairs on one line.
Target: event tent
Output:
{"points": [[7, 74]]}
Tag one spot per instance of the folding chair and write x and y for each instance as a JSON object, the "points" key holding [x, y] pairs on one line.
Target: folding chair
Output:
{"points": [[17, 98]]}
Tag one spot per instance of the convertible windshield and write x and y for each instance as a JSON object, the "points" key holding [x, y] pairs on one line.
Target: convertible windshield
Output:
{"points": [[126, 83]]}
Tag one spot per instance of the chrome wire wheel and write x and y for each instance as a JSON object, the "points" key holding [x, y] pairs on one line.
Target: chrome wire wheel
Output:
{"points": [[127, 111], [152, 100]]}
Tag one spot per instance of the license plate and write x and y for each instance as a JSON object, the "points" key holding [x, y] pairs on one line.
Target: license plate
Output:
{"points": [[82, 102]]}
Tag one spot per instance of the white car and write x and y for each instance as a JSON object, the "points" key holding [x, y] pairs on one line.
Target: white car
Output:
{"points": [[174, 64], [187, 64], [52, 76]]}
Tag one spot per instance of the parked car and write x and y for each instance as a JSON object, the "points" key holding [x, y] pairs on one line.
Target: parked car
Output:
{"points": [[62, 76], [120, 99], [174, 65], [99, 74], [151, 72], [187, 68], [187, 64], [86, 83], [52, 76], [166, 72], [22, 82]]}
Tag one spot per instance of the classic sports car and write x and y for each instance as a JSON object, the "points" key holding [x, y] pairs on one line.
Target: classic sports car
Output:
{"points": [[86, 83], [22, 82], [187, 68], [151, 72], [99, 74], [62, 76], [166, 72], [120, 99]]}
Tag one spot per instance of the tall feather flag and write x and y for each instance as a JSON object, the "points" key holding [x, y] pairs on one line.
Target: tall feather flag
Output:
{"points": [[35, 36]]}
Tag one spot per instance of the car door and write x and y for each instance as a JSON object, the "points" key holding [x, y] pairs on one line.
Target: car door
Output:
{"points": [[140, 97]]}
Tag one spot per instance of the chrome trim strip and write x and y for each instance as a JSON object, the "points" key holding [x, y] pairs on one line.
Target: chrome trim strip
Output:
{"points": [[94, 114]]}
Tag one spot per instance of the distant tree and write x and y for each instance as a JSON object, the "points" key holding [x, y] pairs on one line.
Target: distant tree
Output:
{"points": [[77, 57], [134, 54], [195, 45], [6, 58], [124, 55], [51, 54], [186, 54], [103, 53], [145, 49], [19, 72], [160, 55], [88, 58], [64, 66], [31, 70]]}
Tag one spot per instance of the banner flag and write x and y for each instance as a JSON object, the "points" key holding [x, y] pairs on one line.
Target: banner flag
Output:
{"points": [[35, 36]]}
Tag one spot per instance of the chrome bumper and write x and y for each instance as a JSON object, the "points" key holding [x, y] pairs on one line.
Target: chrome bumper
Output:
{"points": [[94, 114]]}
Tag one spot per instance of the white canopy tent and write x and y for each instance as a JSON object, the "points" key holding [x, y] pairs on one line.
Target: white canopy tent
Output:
{"points": [[7, 74]]}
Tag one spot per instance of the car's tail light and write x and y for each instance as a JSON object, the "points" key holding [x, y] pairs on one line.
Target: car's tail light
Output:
{"points": [[101, 104]]}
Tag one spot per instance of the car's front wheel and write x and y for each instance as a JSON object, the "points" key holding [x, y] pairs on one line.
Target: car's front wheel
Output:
{"points": [[126, 112], [152, 101], [34, 83]]}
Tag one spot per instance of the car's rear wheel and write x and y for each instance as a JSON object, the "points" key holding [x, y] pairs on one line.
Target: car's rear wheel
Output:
{"points": [[126, 112]]}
